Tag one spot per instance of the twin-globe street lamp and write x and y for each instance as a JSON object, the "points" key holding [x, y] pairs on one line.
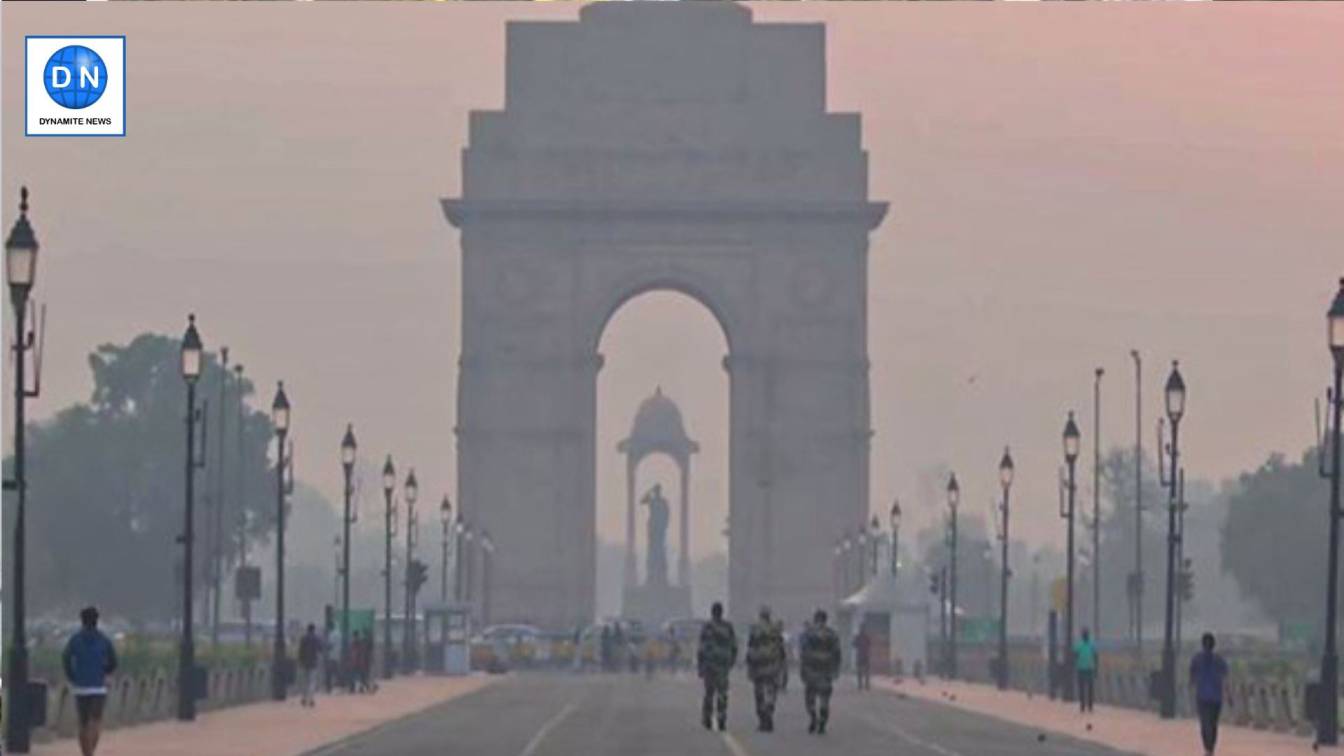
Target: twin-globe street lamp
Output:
{"points": [[20, 271], [1072, 440], [1005, 480], [1327, 718], [1175, 405]]}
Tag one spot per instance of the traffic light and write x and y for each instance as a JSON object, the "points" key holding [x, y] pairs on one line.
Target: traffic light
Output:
{"points": [[933, 585], [1187, 584], [329, 617], [419, 574]]}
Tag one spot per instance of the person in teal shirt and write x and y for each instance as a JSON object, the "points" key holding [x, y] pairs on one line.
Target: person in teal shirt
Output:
{"points": [[1085, 661]]}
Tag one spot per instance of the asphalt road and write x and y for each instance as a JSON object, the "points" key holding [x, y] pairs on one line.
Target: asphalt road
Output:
{"points": [[628, 715]]}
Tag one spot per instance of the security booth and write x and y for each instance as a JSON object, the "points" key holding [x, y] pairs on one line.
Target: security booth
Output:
{"points": [[447, 639], [893, 610]]}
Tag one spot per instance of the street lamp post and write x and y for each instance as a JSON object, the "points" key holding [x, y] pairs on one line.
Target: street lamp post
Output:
{"points": [[1006, 480], [20, 270], [487, 569], [280, 419], [861, 556], [1071, 442], [411, 490], [1175, 401], [895, 536], [846, 578], [186, 661], [389, 484], [1327, 718], [1136, 585], [875, 536], [348, 449], [446, 518], [953, 499], [459, 528]]}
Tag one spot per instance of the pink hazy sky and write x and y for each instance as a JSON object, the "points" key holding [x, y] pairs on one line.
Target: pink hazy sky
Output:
{"points": [[1066, 183]]}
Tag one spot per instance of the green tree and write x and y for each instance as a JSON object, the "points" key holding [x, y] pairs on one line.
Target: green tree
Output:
{"points": [[1274, 540], [106, 486]]}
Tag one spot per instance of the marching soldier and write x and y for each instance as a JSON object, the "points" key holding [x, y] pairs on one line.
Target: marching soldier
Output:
{"points": [[820, 663], [715, 657], [765, 665]]}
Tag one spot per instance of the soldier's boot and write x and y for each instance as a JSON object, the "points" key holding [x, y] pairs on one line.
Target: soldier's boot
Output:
{"points": [[821, 721], [812, 721]]}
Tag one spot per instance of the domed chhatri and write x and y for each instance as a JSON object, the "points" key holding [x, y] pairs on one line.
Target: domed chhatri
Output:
{"points": [[658, 427]]}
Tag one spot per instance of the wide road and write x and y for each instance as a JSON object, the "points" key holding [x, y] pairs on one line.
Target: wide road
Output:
{"points": [[628, 715]]}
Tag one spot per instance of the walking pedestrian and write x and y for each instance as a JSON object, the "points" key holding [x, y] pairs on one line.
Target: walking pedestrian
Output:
{"points": [[88, 659], [1208, 670], [714, 658], [765, 662], [310, 651], [862, 647], [366, 664], [1085, 660], [819, 664]]}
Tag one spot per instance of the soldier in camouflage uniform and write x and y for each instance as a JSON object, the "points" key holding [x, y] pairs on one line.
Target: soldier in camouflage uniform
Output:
{"points": [[819, 664], [715, 657], [765, 666]]}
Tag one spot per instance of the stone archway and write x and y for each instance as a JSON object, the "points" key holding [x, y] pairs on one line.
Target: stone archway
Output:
{"points": [[663, 146]]}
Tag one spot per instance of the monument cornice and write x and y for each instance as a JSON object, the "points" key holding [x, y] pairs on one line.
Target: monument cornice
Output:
{"points": [[461, 211]]}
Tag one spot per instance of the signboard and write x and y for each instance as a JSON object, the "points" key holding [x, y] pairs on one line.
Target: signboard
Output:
{"points": [[361, 621], [247, 583], [978, 629]]}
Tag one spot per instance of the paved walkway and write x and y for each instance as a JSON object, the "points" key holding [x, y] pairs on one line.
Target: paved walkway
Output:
{"points": [[1125, 729], [278, 729]]}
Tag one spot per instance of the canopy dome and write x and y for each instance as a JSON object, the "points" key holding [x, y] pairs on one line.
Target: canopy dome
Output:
{"points": [[658, 427]]}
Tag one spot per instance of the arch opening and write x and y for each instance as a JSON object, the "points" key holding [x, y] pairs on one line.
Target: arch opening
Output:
{"points": [[648, 385]]}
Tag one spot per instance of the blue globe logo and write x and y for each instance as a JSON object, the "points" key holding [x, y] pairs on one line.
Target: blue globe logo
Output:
{"points": [[75, 77]]}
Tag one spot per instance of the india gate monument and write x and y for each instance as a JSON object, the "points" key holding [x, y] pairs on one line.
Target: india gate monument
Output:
{"points": [[670, 146]]}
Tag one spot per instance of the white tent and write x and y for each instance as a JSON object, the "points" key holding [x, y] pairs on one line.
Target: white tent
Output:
{"points": [[896, 606]]}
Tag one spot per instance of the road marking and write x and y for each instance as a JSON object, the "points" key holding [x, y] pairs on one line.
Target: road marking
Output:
{"points": [[535, 743], [733, 745], [911, 739]]}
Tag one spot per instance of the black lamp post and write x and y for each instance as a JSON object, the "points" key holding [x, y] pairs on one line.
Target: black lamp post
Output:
{"points": [[186, 660], [1327, 718], [1072, 440], [389, 485], [895, 517], [446, 519], [875, 539], [411, 491], [1006, 480], [1175, 405], [20, 270], [279, 663], [487, 569], [458, 530], [953, 499], [348, 449]]}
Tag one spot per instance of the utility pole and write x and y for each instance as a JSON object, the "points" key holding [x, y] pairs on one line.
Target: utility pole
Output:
{"points": [[1136, 592], [1096, 505]]}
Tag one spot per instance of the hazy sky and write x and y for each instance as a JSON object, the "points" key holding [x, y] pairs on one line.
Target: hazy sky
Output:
{"points": [[1066, 183]]}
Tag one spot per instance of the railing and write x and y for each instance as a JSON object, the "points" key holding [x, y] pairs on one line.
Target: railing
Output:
{"points": [[152, 696], [1274, 703]]}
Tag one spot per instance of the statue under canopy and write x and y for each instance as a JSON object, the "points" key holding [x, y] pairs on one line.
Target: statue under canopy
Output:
{"points": [[655, 571]]}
